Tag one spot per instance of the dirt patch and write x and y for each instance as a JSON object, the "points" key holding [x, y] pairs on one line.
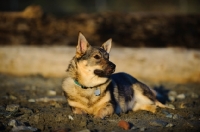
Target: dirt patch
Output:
{"points": [[35, 103]]}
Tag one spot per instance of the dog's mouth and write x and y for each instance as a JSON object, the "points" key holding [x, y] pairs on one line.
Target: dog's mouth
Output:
{"points": [[104, 73]]}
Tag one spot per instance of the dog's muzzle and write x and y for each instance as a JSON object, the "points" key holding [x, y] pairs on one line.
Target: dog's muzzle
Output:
{"points": [[107, 71]]}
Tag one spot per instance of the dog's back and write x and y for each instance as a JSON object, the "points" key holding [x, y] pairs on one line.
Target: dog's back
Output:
{"points": [[130, 94]]}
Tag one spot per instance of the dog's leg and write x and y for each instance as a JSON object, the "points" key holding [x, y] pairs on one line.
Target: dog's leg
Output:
{"points": [[147, 107], [106, 110]]}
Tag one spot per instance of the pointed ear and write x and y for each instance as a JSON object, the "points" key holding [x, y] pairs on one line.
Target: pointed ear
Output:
{"points": [[107, 45], [82, 45]]}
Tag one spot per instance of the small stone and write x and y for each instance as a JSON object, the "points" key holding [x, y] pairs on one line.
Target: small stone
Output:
{"points": [[18, 126], [169, 125], [70, 117], [12, 97], [175, 116], [158, 123], [134, 128], [23, 128], [169, 115], [12, 107], [12, 123], [171, 98], [165, 112], [142, 129], [31, 100], [51, 93], [194, 95], [172, 93], [180, 96], [124, 124]]}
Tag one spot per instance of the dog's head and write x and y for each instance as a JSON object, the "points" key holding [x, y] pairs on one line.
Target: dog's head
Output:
{"points": [[92, 60]]}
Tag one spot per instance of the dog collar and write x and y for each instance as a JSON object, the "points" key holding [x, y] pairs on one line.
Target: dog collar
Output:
{"points": [[97, 92], [84, 87], [77, 83]]}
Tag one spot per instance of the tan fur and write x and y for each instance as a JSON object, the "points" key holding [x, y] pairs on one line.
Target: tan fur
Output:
{"points": [[90, 70], [84, 100], [87, 78]]}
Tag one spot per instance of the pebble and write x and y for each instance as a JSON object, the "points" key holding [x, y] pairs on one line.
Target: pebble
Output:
{"points": [[142, 129], [12, 123], [158, 123], [12, 107], [51, 93], [171, 98], [70, 117], [169, 125], [23, 128], [175, 116], [134, 128], [18, 126], [31, 100], [124, 124], [172, 93], [12, 97], [169, 115], [180, 96]]}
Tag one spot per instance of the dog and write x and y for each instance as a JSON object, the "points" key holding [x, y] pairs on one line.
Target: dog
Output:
{"points": [[91, 87]]}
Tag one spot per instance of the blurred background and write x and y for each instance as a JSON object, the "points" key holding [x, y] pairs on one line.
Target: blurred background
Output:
{"points": [[131, 23]]}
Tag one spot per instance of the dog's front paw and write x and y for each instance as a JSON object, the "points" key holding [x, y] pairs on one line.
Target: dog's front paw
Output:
{"points": [[78, 111], [104, 112]]}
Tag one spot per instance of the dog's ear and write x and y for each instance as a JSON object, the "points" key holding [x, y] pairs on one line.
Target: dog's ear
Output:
{"points": [[107, 45], [82, 45]]}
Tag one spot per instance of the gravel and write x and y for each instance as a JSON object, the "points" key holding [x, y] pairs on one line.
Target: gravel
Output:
{"points": [[50, 112]]}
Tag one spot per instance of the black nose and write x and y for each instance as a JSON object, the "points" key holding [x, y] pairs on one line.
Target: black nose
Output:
{"points": [[112, 65]]}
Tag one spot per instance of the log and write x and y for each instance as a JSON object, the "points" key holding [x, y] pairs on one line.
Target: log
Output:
{"points": [[153, 64]]}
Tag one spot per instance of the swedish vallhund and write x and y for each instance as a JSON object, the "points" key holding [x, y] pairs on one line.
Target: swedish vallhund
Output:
{"points": [[91, 88]]}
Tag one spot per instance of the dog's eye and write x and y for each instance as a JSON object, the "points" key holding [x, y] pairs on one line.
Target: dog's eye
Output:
{"points": [[97, 57]]}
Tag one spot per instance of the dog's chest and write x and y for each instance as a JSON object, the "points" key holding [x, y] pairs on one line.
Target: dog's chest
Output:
{"points": [[90, 92]]}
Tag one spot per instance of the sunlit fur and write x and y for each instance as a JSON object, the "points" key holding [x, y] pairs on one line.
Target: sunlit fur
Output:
{"points": [[119, 92]]}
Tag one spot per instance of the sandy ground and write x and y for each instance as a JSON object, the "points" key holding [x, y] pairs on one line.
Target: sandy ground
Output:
{"points": [[31, 96], [35, 103]]}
